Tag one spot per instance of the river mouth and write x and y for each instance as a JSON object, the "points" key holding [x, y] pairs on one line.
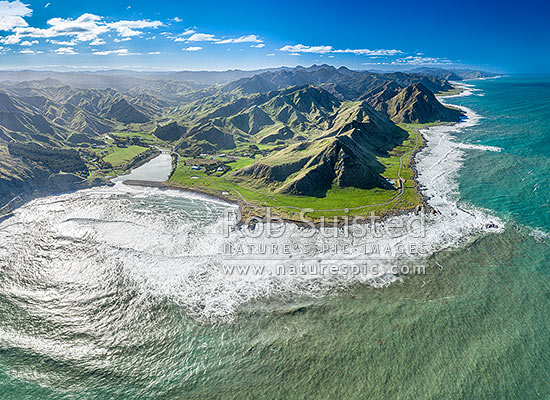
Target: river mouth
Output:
{"points": [[155, 170], [119, 292], [185, 249]]}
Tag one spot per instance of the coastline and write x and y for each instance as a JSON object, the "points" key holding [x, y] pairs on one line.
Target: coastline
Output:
{"points": [[6, 211], [436, 165], [55, 189], [247, 211]]}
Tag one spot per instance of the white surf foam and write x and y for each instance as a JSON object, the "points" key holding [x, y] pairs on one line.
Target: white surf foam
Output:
{"points": [[470, 146], [170, 245], [467, 90]]}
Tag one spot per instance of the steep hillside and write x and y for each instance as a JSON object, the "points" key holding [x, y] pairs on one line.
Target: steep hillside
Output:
{"points": [[261, 118], [30, 168], [255, 84], [417, 104], [124, 112], [170, 132], [54, 113], [343, 156]]}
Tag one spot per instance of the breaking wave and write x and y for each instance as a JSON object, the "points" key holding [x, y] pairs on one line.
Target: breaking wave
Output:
{"points": [[168, 245]]}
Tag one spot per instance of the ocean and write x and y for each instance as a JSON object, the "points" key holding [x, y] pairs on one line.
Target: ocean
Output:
{"points": [[118, 292]]}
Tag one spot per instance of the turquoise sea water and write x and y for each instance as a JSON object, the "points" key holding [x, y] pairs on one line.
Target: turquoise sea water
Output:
{"points": [[87, 313], [516, 118]]}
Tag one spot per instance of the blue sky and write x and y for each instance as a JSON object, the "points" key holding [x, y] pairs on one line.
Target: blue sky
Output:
{"points": [[206, 35]]}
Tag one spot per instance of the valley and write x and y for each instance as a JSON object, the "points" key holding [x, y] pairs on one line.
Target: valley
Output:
{"points": [[323, 141]]}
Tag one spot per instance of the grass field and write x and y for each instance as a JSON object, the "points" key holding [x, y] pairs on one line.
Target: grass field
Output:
{"points": [[337, 202], [119, 156], [240, 163], [144, 136]]}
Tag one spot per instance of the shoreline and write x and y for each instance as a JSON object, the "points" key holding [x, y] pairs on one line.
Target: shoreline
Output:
{"points": [[247, 210], [28, 195], [7, 209]]}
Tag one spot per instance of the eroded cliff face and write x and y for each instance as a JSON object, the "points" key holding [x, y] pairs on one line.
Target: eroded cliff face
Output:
{"points": [[21, 180]]}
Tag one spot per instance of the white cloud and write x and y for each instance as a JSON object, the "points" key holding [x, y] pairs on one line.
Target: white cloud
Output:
{"points": [[122, 40], [176, 19], [118, 52], [242, 39], [270, 55], [154, 53], [28, 51], [201, 37], [63, 42], [300, 48], [12, 13], [259, 45], [182, 37], [130, 28], [65, 50], [196, 48], [27, 43], [415, 60], [11, 39], [87, 27], [97, 42], [47, 5], [367, 52]]}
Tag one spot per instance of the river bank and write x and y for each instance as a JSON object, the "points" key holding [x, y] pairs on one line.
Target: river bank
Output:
{"points": [[250, 212], [48, 184]]}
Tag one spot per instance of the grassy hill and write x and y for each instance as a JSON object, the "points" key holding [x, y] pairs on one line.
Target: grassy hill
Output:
{"points": [[337, 201], [318, 137]]}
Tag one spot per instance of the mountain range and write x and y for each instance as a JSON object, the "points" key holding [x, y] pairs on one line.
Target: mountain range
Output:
{"points": [[324, 126]]}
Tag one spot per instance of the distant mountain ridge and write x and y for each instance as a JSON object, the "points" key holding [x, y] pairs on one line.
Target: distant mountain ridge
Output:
{"points": [[62, 110], [454, 74], [345, 84], [51, 111], [316, 128], [342, 82]]}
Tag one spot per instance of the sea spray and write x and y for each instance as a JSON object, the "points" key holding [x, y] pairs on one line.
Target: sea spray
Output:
{"points": [[176, 246]]}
